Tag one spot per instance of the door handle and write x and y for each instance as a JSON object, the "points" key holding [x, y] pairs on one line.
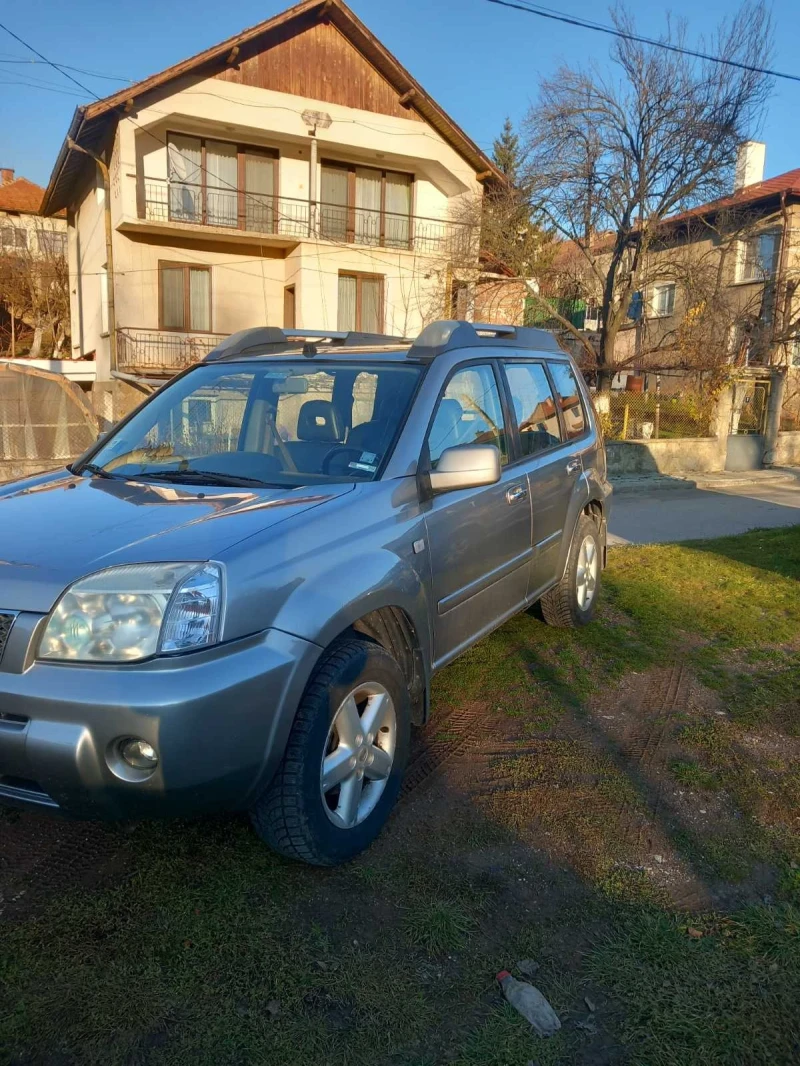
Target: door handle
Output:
{"points": [[573, 466], [517, 492]]}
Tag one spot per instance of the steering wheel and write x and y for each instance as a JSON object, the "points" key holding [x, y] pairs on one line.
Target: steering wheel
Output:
{"points": [[338, 451]]}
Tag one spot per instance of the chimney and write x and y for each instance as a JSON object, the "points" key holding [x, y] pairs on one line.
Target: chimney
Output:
{"points": [[6, 176], [749, 164]]}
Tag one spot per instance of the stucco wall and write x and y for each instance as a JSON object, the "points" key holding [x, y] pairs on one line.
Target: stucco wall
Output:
{"points": [[628, 458], [87, 256], [787, 449]]}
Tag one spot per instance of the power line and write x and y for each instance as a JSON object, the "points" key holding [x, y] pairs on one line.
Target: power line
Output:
{"points": [[49, 62], [612, 31], [65, 66]]}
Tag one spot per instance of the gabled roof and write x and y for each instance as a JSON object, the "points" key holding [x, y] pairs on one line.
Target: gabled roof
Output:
{"points": [[21, 195], [92, 123], [788, 183]]}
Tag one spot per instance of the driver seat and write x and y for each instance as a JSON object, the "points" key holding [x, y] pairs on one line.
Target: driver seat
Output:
{"points": [[319, 428]]}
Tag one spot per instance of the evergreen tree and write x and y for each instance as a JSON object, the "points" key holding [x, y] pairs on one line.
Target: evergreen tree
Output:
{"points": [[506, 152]]}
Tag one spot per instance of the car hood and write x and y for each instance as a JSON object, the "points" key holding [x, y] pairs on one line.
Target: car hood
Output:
{"points": [[57, 528]]}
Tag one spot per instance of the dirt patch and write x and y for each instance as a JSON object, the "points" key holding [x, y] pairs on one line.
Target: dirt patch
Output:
{"points": [[42, 856]]}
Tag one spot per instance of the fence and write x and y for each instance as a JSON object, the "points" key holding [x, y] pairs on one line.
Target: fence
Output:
{"points": [[44, 419], [654, 416]]}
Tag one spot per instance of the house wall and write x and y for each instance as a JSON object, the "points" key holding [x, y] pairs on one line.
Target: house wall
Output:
{"points": [[32, 225], [500, 300], [86, 252]]}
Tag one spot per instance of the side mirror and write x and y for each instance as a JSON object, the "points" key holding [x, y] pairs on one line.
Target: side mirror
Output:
{"points": [[466, 467]]}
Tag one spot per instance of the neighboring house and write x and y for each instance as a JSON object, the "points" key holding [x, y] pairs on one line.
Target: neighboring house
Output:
{"points": [[32, 274], [731, 266], [22, 228], [294, 175]]}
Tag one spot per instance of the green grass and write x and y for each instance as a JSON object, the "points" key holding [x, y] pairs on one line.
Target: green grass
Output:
{"points": [[213, 951], [728, 997]]}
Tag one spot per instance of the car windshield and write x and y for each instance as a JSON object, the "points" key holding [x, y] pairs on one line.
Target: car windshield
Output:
{"points": [[269, 423]]}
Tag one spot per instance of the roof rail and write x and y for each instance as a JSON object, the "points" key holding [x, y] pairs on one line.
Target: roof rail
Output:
{"points": [[449, 334], [272, 340]]}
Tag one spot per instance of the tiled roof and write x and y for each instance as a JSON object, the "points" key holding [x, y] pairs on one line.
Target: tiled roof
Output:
{"points": [[21, 195], [749, 194]]}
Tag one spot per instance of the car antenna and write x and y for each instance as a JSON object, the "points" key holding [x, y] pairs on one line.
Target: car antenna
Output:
{"points": [[309, 350]]}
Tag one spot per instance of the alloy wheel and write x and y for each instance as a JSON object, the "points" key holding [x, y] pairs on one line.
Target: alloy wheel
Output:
{"points": [[359, 754]]}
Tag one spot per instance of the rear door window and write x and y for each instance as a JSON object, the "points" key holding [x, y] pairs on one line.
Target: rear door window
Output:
{"points": [[534, 407], [569, 399]]}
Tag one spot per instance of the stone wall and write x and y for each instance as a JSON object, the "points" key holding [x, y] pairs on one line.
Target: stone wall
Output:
{"points": [[633, 458]]}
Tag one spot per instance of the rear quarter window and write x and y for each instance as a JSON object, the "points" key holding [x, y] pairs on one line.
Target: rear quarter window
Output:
{"points": [[570, 401]]}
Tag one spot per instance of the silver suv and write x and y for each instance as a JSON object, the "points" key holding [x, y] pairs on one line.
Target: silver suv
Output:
{"points": [[237, 598]]}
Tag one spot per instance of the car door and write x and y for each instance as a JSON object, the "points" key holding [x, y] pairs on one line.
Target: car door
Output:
{"points": [[549, 460], [479, 539]]}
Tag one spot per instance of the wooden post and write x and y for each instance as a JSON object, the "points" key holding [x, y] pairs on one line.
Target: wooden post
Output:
{"points": [[625, 422]]}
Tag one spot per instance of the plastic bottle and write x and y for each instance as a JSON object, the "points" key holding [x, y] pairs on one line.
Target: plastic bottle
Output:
{"points": [[530, 1003]]}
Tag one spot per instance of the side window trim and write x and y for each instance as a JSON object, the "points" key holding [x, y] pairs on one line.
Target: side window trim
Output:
{"points": [[579, 382], [424, 462], [564, 442]]}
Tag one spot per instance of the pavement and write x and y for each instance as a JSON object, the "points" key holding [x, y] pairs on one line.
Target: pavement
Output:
{"points": [[656, 510]]}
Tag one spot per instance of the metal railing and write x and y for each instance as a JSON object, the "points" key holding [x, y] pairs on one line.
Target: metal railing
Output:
{"points": [[283, 216], [161, 352]]}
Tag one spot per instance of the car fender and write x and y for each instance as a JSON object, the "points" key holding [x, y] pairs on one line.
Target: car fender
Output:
{"points": [[321, 610]]}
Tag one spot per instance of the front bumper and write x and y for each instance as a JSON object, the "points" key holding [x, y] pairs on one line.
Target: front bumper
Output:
{"points": [[219, 720]]}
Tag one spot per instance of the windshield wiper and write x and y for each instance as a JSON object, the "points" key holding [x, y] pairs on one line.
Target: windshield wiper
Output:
{"points": [[98, 471], [205, 477]]}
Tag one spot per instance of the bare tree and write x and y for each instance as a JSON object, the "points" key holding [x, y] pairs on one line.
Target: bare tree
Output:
{"points": [[612, 155], [34, 288]]}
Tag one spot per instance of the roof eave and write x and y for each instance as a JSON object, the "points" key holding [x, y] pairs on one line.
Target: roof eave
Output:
{"points": [[348, 23]]}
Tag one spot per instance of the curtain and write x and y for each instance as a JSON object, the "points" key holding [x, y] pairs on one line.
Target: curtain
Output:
{"points": [[172, 297], [346, 318], [200, 299], [333, 203], [398, 210], [183, 171], [222, 174], [371, 305], [259, 180], [368, 206]]}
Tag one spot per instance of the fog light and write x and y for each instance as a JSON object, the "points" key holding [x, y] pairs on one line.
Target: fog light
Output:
{"points": [[138, 754]]}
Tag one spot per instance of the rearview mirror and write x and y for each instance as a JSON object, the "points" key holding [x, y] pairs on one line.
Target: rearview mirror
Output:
{"points": [[293, 385], [466, 467]]}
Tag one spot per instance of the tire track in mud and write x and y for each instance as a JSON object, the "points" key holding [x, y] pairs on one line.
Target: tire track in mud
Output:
{"points": [[440, 741]]}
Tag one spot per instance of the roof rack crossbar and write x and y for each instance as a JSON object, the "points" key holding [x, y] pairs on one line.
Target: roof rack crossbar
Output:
{"points": [[272, 340], [449, 334]]}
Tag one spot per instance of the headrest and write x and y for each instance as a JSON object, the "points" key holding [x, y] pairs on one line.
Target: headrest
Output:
{"points": [[319, 420]]}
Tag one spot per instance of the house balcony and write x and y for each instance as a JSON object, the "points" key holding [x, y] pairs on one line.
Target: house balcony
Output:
{"points": [[161, 353], [246, 217]]}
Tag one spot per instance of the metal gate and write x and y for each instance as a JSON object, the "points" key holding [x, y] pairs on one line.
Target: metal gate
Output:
{"points": [[748, 423]]}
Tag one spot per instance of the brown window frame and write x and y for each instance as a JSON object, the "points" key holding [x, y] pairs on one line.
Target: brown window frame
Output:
{"points": [[360, 276], [186, 267], [351, 198], [241, 150]]}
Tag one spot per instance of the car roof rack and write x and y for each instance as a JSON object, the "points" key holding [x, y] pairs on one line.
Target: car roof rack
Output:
{"points": [[272, 340], [449, 334]]}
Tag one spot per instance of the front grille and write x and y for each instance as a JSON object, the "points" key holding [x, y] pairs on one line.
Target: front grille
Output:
{"points": [[6, 622]]}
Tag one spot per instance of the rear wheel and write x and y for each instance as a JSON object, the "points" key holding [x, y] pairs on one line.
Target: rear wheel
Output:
{"points": [[572, 601], [345, 759]]}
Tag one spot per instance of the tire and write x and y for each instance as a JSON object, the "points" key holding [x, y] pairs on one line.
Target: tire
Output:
{"points": [[569, 604], [294, 816]]}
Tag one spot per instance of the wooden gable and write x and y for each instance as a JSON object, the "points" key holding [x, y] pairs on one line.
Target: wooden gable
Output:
{"points": [[320, 63]]}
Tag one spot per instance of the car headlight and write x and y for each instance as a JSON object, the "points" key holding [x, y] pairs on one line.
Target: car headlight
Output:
{"points": [[128, 613]]}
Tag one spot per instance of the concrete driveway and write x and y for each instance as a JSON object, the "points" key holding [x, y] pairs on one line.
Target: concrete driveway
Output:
{"points": [[657, 515]]}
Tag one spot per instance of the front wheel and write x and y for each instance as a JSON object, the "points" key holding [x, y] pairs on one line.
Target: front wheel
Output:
{"points": [[344, 761], [572, 601]]}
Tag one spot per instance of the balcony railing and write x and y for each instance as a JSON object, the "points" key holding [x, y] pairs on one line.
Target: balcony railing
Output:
{"points": [[284, 216], [161, 352]]}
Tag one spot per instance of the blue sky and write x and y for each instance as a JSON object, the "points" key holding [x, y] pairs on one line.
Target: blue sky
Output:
{"points": [[479, 61]]}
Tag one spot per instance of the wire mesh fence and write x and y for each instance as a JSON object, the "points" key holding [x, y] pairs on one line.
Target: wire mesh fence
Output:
{"points": [[42, 417], [655, 416]]}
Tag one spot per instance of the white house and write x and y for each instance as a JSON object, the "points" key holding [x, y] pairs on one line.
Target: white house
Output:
{"points": [[294, 175]]}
